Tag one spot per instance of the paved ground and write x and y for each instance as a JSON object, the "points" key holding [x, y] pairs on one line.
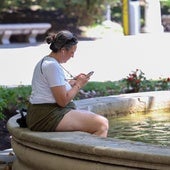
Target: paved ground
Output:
{"points": [[112, 58]]}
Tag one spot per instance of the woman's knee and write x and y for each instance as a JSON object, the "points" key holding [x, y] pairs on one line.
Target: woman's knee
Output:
{"points": [[102, 127], [103, 123], [106, 124]]}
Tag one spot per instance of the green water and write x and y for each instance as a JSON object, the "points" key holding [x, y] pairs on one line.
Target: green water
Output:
{"points": [[151, 128]]}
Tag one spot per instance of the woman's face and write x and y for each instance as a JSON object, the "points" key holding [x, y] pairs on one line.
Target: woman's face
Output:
{"points": [[67, 54]]}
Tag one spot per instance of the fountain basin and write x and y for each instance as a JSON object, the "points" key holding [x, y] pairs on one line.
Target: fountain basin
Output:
{"points": [[82, 151]]}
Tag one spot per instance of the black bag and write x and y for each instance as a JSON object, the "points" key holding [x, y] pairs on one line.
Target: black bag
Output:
{"points": [[22, 120]]}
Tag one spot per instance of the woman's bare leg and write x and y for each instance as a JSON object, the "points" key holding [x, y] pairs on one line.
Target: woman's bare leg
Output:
{"points": [[80, 120]]}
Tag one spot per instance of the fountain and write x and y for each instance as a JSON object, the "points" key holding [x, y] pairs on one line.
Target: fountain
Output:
{"points": [[79, 150]]}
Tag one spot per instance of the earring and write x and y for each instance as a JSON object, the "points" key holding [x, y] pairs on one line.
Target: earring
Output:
{"points": [[63, 53]]}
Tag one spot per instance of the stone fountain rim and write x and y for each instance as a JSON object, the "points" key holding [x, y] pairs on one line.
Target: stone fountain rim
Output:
{"points": [[81, 144]]}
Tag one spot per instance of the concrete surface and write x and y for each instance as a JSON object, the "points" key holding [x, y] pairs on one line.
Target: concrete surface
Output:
{"points": [[112, 57]]}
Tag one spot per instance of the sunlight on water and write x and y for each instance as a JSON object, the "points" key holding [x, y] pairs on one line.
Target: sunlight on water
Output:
{"points": [[149, 128]]}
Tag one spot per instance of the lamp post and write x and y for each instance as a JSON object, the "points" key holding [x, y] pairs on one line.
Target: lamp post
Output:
{"points": [[131, 17], [125, 16]]}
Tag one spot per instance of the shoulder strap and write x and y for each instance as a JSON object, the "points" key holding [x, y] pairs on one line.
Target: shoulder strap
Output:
{"points": [[41, 65]]}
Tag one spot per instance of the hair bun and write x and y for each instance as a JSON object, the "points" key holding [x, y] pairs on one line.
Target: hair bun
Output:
{"points": [[50, 38]]}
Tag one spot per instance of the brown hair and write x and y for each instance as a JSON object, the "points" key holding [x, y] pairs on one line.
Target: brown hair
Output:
{"points": [[62, 39]]}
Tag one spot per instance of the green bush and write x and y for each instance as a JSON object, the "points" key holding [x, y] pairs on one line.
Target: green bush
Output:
{"points": [[105, 87], [12, 99]]}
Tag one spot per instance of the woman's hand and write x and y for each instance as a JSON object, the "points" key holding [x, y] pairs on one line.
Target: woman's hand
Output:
{"points": [[81, 80], [72, 82], [62, 96]]}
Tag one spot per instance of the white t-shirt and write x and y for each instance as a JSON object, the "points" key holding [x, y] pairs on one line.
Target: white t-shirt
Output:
{"points": [[47, 73]]}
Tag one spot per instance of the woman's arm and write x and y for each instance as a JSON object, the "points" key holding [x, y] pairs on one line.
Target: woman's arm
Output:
{"points": [[62, 96]]}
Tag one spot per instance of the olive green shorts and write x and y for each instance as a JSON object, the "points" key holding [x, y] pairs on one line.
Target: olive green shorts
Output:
{"points": [[46, 117]]}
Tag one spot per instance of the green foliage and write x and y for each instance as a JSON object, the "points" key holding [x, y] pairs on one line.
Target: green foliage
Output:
{"points": [[165, 2], [135, 80], [104, 88], [87, 12], [2, 106], [4, 95], [13, 98], [163, 83]]}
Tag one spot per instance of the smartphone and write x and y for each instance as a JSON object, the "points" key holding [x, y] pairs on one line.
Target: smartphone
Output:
{"points": [[90, 73]]}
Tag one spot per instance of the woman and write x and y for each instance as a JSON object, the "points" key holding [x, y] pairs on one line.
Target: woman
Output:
{"points": [[51, 106]]}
